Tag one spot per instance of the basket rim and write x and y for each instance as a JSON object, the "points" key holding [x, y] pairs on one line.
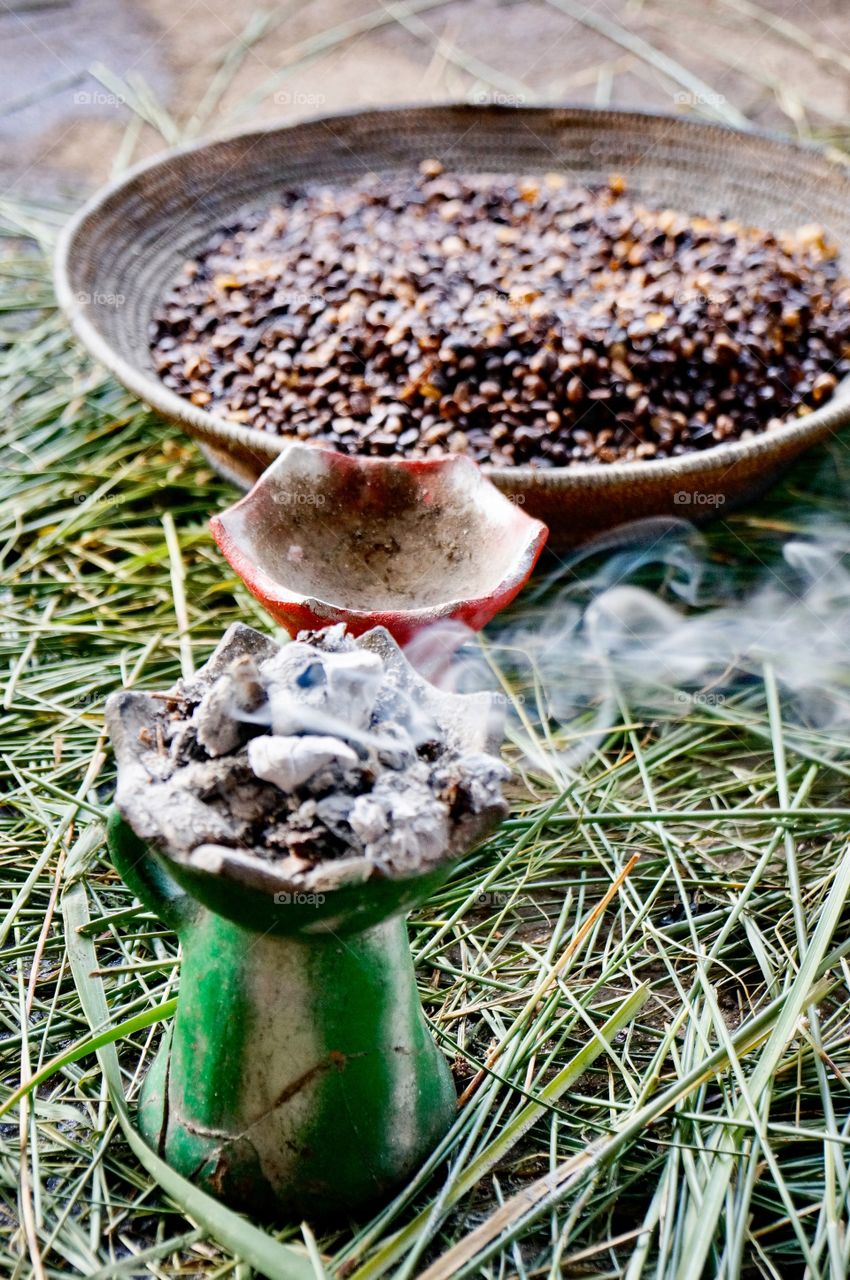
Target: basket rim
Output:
{"points": [[218, 432]]}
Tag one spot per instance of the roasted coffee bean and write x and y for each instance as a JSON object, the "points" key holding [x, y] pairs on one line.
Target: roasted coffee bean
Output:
{"points": [[517, 319]]}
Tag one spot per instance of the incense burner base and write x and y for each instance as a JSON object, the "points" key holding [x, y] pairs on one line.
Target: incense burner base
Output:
{"points": [[300, 1076]]}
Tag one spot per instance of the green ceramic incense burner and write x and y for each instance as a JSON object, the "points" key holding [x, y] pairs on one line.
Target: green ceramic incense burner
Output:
{"points": [[299, 1074]]}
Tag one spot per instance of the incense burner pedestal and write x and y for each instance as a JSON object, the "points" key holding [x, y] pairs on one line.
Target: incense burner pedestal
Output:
{"points": [[299, 1076]]}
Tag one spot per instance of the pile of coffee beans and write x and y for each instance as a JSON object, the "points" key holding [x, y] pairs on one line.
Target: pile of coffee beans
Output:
{"points": [[518, 320]]}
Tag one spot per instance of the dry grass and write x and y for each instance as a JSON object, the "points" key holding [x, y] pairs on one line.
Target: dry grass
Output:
{"points": [[667, 1079]]}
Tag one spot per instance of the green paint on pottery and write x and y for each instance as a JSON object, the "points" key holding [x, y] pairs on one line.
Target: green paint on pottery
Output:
{"points": [[299, 1075]]}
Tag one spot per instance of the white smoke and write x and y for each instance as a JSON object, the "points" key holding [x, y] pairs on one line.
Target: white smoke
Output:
{"points": [[590, 637]]}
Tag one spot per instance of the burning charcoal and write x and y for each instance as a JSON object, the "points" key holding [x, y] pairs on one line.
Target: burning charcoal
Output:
{"points": [[290, 762], [394, 746], [181, 820], [236, 697], [319, 831], [368, 820], [334, 639], [403, 716], [314, 692], [334, 812], [182, 739], [215, 728], [407, 822], [209, 778], [344, 792], [470, 786], [248, 692], [353, 683]]}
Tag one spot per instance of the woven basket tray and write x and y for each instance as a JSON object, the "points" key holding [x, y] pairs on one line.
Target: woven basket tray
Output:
{"points": [[119, 253]]}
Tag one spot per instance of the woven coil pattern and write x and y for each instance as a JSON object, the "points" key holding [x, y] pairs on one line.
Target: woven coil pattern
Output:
{"points": [[121, 251]]}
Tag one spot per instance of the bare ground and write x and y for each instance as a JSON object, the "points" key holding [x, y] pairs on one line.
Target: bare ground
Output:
{"points": [[65, 124]]}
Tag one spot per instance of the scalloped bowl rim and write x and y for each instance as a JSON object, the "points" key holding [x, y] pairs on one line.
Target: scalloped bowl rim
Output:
{"points": [[274, 590]]}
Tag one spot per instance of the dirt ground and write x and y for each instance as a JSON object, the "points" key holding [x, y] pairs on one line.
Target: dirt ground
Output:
{"points": [[80, 78]]}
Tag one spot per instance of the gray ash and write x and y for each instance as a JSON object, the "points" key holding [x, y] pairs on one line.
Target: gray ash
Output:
{"points": [[519, 320], [324, 750]]}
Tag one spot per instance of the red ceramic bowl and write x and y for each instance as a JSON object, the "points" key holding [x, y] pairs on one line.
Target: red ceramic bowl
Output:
{"points": [[324, 538]]}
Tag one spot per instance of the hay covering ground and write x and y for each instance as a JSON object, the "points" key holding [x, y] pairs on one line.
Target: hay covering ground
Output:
{"points": [[669, 1075]]}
